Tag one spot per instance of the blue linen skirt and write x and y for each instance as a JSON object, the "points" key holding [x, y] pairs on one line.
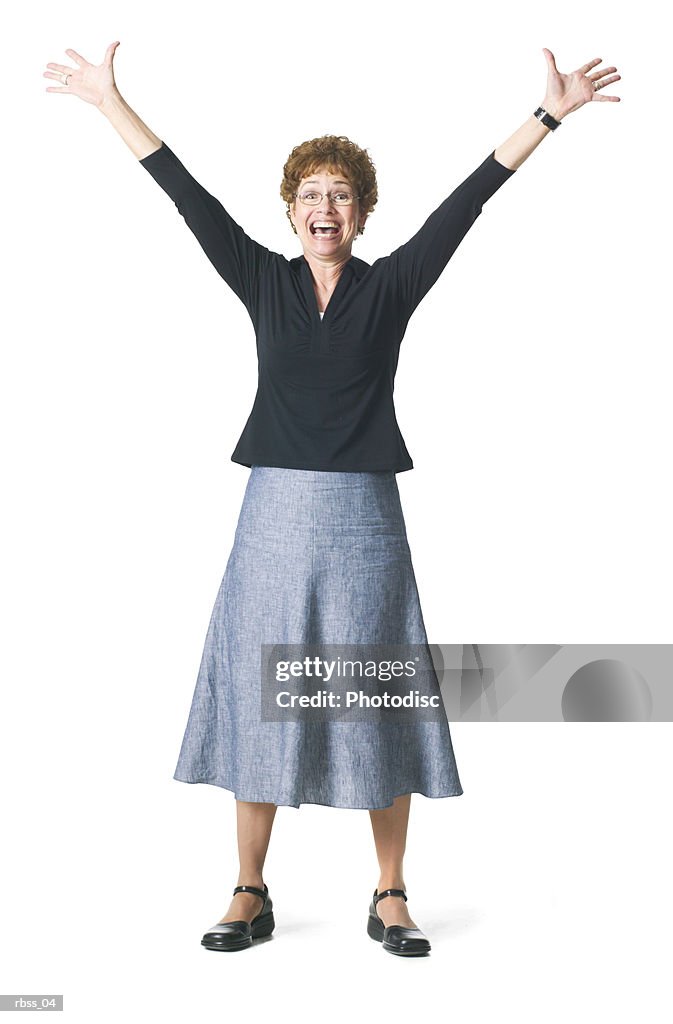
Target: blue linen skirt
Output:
{"points": [[318, 557]]}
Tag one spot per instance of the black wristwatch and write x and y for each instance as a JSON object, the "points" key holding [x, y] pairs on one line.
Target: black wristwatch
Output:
{"points": [[547, 120]]}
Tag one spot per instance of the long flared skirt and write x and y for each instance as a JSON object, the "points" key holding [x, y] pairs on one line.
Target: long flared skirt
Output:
{"points": [[318, 558]]}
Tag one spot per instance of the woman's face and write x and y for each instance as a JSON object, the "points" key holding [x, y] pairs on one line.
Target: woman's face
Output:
{"points": [[347, 219]]}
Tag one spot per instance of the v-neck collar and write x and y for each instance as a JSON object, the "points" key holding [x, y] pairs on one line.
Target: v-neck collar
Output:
{"points": [[306, 276]]}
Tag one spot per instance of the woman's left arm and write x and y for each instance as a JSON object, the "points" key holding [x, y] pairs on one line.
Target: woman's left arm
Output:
{"points": [[565, 93]]}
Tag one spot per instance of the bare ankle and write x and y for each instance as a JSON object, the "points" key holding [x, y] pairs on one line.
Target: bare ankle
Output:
{"points": [[382, 886], [250, 878]]}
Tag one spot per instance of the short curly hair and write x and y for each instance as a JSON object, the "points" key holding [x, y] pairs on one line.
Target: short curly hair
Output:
{"points": [[337, 154]]}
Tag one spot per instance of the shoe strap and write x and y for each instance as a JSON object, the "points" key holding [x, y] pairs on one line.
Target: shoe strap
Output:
{"points": [[389, 892], [252, 888]]}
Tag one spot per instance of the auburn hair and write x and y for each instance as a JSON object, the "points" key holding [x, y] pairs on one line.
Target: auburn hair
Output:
{"points": [[337, 155]]}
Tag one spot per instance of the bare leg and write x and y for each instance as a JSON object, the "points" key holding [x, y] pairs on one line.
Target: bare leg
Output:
{"points": [[254, 822], [390, 836]]}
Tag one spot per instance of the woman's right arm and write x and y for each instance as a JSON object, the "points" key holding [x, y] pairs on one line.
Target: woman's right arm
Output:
{"points": [[239, 259]]}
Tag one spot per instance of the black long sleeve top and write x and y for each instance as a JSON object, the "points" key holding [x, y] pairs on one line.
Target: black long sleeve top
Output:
{"points": [[325, 385]]}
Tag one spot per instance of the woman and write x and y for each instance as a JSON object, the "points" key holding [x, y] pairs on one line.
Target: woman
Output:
{"points": [[320, 554]]}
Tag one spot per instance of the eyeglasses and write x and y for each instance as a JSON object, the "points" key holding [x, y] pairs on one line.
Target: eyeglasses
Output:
{"points": [[340, 198]]}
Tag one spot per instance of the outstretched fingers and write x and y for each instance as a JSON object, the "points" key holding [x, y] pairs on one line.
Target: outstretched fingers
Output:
{"points": [[57, 71], [592, 64], [61, 69], [76, 57], [58, 75], [599, 82]]}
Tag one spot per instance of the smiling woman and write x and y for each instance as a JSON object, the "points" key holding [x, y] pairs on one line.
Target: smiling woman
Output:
{"points": [[329, 186], [328, 216], [320, 554], [341, 162]]}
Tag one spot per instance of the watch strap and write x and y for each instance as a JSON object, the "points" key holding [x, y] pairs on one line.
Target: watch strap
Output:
{"points": [[546, 118]]}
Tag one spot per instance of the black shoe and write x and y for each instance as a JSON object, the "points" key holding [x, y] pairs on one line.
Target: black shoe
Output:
{"points": [[395, 938], [234, 935]]}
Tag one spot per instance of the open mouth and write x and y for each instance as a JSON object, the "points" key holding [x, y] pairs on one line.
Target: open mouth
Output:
{"points": [[324, 229]]}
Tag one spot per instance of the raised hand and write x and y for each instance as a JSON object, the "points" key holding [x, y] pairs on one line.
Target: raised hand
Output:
{"points": [[566, 93], [93, 83]]}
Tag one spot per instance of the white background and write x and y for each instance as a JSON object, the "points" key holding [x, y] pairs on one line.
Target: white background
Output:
{"points": [[533, 392]]}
